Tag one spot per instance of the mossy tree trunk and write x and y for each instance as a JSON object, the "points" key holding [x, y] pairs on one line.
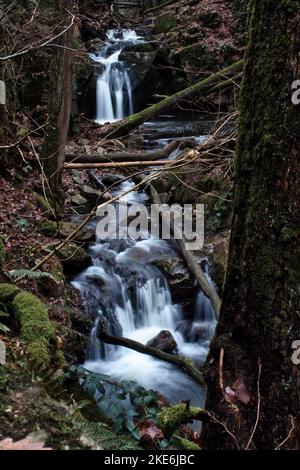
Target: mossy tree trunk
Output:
{"points": [[260, 314], [59, 108]]}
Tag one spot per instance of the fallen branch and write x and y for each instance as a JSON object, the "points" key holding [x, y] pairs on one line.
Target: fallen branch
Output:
{"points": [[128, 156], [124, 127], [84, 166], [193, 266], [186, 365]]}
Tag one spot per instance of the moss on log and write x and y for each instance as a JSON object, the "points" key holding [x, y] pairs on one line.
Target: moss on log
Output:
{"points": [[36, 328]]}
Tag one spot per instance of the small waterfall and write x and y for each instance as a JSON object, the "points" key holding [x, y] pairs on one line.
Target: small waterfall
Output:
{"points": [[129, 292], [114, 99]]}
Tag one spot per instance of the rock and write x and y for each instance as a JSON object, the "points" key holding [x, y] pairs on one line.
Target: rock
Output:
{"points": [[111, 178], [64, 229], [83, 141], [76, 177], [164, 341], [74, 258], [53, 286], [84, 235], [100, 150], [78, 200], [91, 194]]}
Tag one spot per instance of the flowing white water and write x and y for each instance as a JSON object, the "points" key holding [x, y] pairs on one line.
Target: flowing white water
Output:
{"points": [[114, 99], [124, 288]]}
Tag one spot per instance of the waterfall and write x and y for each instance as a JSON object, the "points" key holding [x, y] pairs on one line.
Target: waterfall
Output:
{"points": [[127, 290], [114, 98]]}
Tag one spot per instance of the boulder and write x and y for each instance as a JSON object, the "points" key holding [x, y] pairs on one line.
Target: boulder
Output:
{"points": [[164, 341], [73, 258]]}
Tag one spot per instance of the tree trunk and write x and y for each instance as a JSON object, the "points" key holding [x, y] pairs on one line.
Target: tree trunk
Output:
{"points": [[208, 84], [260, 315], [59, 107]]}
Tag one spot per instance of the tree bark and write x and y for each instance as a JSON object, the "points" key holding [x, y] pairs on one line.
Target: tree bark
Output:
{"points": [[259, 321], [59, 107], [124, 127]]}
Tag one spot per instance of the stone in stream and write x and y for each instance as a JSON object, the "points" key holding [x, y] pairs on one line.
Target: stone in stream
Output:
{"points": [[164, 341]]}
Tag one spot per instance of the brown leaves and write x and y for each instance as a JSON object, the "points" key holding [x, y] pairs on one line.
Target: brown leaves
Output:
{"points": [[149, 431], [238, 392]]}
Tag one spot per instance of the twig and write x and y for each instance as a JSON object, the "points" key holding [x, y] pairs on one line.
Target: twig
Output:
{"points": [[289, 434], [258, 405], [221, 365]]}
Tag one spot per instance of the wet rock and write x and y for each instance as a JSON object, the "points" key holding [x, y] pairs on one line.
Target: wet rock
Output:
{"points": [[191, 333], [164, 341], [140, 57]]}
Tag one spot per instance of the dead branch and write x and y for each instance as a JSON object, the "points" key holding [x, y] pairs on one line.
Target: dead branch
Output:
{"points": [[186, 365]]}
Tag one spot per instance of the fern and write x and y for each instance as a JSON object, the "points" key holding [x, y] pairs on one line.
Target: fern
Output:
{"points": [[103, 436], [30, 275]]}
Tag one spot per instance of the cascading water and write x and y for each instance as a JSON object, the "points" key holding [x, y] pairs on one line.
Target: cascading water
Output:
{"points": [[125, 288], [114, 99]]}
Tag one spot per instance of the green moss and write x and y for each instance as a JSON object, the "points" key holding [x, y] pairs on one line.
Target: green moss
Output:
{"points": [[7, 292], [165, 23], [186, 444], [42, 203], [172, 417], [47, 227], [36, 328], [198, 55]]}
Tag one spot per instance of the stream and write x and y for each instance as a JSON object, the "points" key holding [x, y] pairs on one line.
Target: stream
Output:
{"points": [[123, 285]]}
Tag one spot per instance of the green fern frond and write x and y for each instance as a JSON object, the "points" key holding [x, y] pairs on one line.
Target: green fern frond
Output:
{"points": [[27, 274], [103, 436]]}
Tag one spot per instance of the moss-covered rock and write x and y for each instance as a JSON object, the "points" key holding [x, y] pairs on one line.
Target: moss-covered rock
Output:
{"points": [[8, 292], [74, 258], [36, 329], [54, 285]]}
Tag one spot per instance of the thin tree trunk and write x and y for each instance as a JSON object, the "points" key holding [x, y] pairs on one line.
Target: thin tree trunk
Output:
{"points": [[251, 354], [59, 106]]}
